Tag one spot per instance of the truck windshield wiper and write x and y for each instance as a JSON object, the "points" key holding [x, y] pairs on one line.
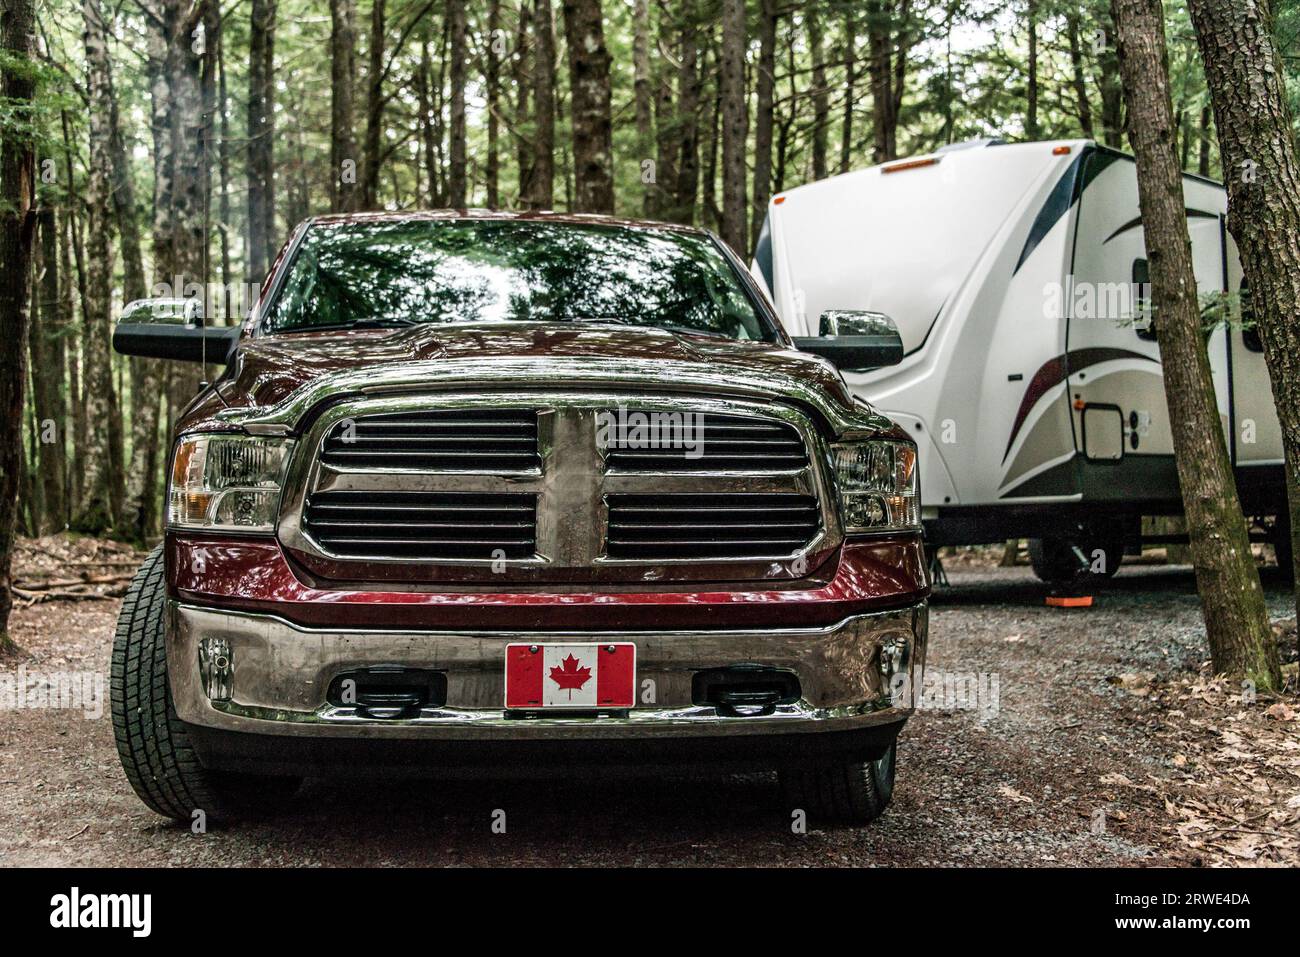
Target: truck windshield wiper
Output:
{"points": [[394, 323], [389, 323]]}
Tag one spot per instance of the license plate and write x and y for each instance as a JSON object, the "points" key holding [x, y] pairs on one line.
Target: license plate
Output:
{"points": [[577, 676]]}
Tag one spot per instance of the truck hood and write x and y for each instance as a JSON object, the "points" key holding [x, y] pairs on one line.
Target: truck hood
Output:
{"points": [[274, 381]]}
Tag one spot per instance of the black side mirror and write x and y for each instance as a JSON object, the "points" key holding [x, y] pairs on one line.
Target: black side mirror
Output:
{"points": [[172, 329], [855, 340]]}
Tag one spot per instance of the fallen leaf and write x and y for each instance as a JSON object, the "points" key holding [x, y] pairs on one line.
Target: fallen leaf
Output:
{"points": [[1280, 712]]}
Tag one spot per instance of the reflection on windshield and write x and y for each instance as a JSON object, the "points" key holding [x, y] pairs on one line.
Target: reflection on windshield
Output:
{"points": [[410, 271]]}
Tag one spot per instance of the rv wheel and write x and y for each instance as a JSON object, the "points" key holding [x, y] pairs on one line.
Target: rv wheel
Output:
{"points": [[1054, 559]]}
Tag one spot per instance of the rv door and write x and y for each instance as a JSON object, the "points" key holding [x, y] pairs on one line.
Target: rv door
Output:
{"points": [[1116, 386], [1256, 433]]}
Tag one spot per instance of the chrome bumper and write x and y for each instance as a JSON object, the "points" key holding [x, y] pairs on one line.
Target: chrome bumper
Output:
{"points": [[271, 678]]}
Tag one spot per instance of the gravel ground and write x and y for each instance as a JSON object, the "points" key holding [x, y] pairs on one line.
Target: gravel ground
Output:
{"points": [[1046, 766]]}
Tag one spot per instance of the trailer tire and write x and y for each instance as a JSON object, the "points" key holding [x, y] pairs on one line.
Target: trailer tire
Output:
{"points": [[152, 744], [856, 793], [1054, 561]]}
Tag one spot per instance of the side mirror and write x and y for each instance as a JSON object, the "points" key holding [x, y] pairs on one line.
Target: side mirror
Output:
{"points": [[855, 341], [172, 329]]}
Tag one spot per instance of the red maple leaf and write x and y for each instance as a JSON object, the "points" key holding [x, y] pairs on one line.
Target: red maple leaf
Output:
{"points": [[570, 675]]}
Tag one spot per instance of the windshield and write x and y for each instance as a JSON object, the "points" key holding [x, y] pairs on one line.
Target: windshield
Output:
{"points": [[414, 271]]}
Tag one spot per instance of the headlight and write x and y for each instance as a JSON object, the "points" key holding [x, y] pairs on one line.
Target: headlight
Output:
{"points": [[877, 486], [227, 482]]}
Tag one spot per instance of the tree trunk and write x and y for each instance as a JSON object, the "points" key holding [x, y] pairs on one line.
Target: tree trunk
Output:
{"points": [[187, 113], [710, 213], [130, 490], [688, 118], [458, 176], [884, 72], [523, 132], [492, 171], [1203, 159], [428, 125], [261, 139], [1232, 602], [641, 95], [1257, 147], [785, 124], [343, 147], [123, 194], [372, 144], [904, 35], [99, 506], [763, 116], [223, 170], [820, 93], [17, 226], [143, 372], [67, 285], [735, 123], [47, 345], [667, 121], [850, 79], [542, 195], [1031, 80], [1077, 75], [1108, 80], [589, 103]]}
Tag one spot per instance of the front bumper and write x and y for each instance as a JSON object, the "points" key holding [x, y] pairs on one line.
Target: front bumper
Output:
{"points": [[855, 676]]}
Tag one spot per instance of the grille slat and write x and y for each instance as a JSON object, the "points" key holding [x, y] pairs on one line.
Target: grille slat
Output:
{"points": [[708, 442], [684, 526], [502, 440], [378, 524]]}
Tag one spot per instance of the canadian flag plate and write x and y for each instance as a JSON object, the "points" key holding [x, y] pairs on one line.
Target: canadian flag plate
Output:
{"points": [[581, 676]]}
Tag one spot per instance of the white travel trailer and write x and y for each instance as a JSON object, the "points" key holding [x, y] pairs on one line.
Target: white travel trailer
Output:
{"points": [[1031, 380]]}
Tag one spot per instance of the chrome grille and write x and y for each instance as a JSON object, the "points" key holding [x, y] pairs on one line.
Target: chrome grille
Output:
{"points": [[499, 440], [683, 526], [424, 525], [711, 443], [402, 501]]}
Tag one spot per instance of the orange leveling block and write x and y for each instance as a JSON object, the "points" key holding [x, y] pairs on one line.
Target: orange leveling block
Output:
{"points": [[1069, 601]]}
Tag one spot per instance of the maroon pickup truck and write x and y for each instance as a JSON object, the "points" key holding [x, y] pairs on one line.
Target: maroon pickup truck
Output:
{"points": [[520, 489]]}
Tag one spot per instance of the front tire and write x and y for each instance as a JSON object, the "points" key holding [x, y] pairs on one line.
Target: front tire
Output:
{"points": [[155, 751], [856, 793]]}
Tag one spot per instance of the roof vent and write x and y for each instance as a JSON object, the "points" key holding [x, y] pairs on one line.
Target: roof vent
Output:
{"points": [[971, 144]]}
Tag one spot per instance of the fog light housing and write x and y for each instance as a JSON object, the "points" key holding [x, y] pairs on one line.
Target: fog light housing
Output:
{"points": [[216, 667]]}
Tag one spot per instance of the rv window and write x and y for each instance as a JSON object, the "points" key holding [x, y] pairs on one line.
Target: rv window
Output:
{"points": [[1249, 331], [1142, 301]]}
